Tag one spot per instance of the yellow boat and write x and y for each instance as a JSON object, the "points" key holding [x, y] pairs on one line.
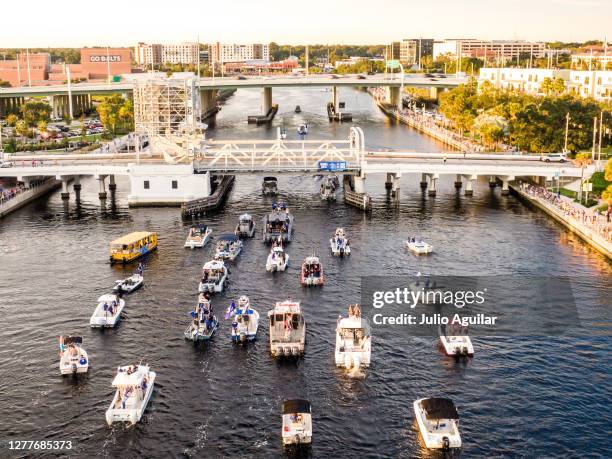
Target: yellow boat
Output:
{"points": [[132, 246]]}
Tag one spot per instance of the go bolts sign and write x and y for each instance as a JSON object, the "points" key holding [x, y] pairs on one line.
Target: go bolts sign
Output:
{"points": [[104, 57]]}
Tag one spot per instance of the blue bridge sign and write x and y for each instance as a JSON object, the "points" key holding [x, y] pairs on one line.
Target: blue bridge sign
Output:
{"points": [[332, 165]]}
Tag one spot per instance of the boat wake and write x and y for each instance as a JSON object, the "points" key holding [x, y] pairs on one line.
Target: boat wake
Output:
{"points": [[355, 373]]}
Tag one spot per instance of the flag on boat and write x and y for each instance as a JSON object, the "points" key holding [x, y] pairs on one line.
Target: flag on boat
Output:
{"points": [[229, 311]]}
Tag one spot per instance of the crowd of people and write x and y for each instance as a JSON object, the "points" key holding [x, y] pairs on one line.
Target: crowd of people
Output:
{"points": [[599, 222], [7, 194]]}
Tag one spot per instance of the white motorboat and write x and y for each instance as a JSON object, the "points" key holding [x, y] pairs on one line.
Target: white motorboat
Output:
{"points": [[228, 247], [419, 247], [204, 322], [282, 133], [438, 422], [269, 186], [198, 236], [302, 129], [328, 189], [246, 226], [455, 340], [129, 284], [278, 224], [312, 272], [108, 312], [134, 385], [245, 322], [73, 358], [287, 329], [297, 423], [214, 274], [353, 340], [278, 259], [339, 243]]}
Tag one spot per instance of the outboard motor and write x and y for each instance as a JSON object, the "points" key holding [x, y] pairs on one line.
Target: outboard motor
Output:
{"points": [[464, 351], [457, 350], [242, 337], [295, 351], [74, 368], [445, 443]]}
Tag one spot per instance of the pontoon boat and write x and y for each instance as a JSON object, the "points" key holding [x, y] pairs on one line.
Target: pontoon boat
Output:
{"points": [[73, 358], [339, 243], [287, 329], [108, 311], [246, 226], [438, 422], [198, 236], [246, 321], [297, 423], [134, 385], [204, 321], [228, 247], [214, 274]]}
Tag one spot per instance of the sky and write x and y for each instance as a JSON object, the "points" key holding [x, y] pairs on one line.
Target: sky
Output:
{"points": [[70, 23]]}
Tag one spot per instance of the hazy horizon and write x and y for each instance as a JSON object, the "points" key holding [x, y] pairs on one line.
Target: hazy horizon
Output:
{"points": [[38, 24]]}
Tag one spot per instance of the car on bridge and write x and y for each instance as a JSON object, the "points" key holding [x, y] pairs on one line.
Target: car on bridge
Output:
{"points": [[554, 158], [4, 164]]}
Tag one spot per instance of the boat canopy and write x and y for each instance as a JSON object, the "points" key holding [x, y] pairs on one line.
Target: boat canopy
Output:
{"points": [[214, 264], [277, 249], [296, 406], [287, 306], [312, 260], [199, 227], [270, 179], [229, 237], [133, 379], [73, 340], [354, 322], [107, 297], [132, 238], [439, 408], [275, 217], [245, 217]]}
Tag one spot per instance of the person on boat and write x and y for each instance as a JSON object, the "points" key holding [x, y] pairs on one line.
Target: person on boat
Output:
{"points": [[350, 310], [357, 311], [140, 268]]}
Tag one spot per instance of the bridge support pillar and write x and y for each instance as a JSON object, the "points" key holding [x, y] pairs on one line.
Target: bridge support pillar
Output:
{"points": [[492, 182], [389, 181], [112, 186], [505, 191], [432, 184], [359, 184], [77, 188], [335, 98], [65, 194], [433, 93], [208, 99], [102, 193], [266, 99], [394, 97], [2, 107], [469, 188], [423, 182], [395, 190], [458, 183]]}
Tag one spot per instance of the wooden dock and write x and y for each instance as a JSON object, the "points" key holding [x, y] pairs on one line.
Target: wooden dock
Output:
{"points": [[200, 206]]}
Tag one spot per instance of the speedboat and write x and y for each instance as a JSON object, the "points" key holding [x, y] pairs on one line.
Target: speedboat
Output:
{"points": [[297, 423], [278, 224], [328, 188], [246, 321], [419, 247], [353, 340], [298, 109], [129, 284], [312, 272], [283, 134], [438, 422], [269, 186], [214, 274], [303, 129], [73, 358], [278, 259], [228, 247], [204, 321], [108, 312], [455, 340], [198, 236], [134, 385], [339, 243], [287, 329], [246, 226]]}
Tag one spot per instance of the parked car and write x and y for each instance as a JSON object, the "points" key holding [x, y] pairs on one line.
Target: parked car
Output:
{"points": [[554, 158], [361, 77]]}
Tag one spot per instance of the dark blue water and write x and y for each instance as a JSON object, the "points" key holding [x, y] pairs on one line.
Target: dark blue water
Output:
{"points": [[518, 396]]}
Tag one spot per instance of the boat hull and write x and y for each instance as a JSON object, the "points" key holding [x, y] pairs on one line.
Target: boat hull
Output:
{"points": [[457, 346], [107, 322], [435, 440]]}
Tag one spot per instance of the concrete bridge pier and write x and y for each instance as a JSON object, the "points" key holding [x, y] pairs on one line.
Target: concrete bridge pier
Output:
{"points": [[505, 191], [394, 97], [469, 189], [102, 193], [59, 106], [389, 181], [458, 183], [77, 188], [335, 99], [432, 185], [266, 99], [208, 101], [359, 184], [65, 194], [433, 93], [112, 186], [492, 182], [423, 181], [395, 190]]}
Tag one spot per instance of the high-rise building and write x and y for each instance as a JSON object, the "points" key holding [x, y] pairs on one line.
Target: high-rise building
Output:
{"points": [[156, 54], [497, 50], [412, 50], [232, 52], [148, 54]]}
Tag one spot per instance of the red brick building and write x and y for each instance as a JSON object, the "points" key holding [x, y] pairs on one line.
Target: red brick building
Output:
{"points": [[28, 68], [98, 63]]}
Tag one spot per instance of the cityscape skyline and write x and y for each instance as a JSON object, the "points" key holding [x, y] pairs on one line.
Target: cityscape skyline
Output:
{"points": [[342, 22]]}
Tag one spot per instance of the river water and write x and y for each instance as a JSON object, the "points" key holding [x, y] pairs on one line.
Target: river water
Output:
{"points": [[518, 396]]}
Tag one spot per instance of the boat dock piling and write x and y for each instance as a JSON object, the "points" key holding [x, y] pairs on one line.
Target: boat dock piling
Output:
{"points": [[196, 207]]}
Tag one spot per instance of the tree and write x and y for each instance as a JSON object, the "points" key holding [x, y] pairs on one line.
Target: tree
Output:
{"points": [[4, 84], [34, 111], [11, 119], [492, 128], [42, 126], [608, 171], [553, 87], [108, 110], [21, 127], [607, 195]]}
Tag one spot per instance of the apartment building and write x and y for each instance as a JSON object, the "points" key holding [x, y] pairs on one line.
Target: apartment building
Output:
{"points": [[501, 50], [233, 52], [155, 54]]}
